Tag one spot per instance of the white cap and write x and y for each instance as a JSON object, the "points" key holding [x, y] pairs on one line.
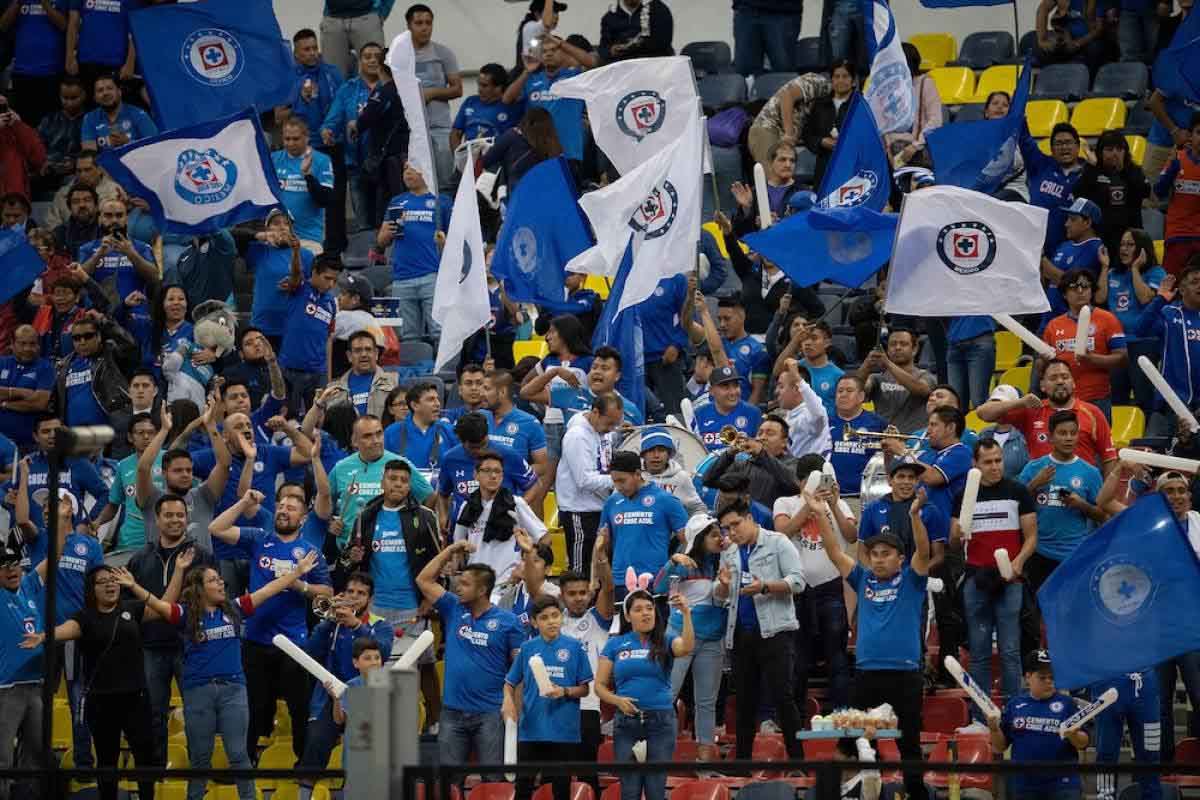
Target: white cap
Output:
{"points": [[695, 526], [1005, 392], [39, 496]]}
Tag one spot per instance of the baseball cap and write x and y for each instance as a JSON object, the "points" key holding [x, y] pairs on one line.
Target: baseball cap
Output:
{"points": [[657, 437], [275, 212], [890, 539], [1168, 476], [723, 375], [40, 495], [802, 200], [357, 285], [906, 462], [696, 526], [1082, 207], [1004, 392], [1038, 661]]}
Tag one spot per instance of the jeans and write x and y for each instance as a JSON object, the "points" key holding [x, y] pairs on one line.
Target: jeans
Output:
{"points": [[81, 737], [21, 713], [160, 667], [217, 707], [544, 753], [1188, 666], [756, 34], [1105, 405], [706, 663], [1137, 34], [340, 35], [1138, 705], [321, 737], [302, 388], [362, 200], [822, 614], [658, 729], [463, 731], [1000, 613], [970, 364], [416, 306], [845, 21]]}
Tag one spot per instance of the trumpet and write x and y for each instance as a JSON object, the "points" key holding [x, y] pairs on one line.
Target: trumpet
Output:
{"points": [[324, 607], [728, 435], [873, 440]]}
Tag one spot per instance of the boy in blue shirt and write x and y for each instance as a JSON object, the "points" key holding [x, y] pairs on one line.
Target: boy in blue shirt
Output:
{"points": [[307, 352], [113, 124]]}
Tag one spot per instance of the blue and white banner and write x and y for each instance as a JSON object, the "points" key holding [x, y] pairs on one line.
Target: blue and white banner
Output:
{"points": [[845, 245], [1177, 69], [22, 264], [890, 93], [200, 179], [209, 59], [858, 170], [620, 326], [460, 299]]}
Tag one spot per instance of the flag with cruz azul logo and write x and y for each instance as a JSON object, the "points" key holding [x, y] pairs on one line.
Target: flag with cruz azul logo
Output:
{"points": [[200, 179], [212, 58], [963, 252], [858, 172]]}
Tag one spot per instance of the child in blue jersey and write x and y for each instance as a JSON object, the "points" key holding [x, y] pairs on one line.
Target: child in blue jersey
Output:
{"points": [[634, 674], [1030, 725], [549, 728], [1052, 178], [307, 353], [727, 409], [1080, 250]]}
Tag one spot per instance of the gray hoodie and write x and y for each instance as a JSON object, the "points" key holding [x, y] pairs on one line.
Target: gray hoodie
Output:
{"points": [[678, 481]]}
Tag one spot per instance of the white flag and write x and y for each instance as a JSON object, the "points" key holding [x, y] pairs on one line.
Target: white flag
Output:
{"points": [[402, 60], [963, 252], [890, 93], [460, 299], [635, 108], [658, 201]]}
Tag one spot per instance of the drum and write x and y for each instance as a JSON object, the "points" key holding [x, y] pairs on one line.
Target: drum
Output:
{"points": [[874, 480], [689, 449]]}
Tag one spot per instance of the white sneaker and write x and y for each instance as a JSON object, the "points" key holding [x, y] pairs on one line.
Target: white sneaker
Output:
{"points": [[769, 727], [432, 730]]}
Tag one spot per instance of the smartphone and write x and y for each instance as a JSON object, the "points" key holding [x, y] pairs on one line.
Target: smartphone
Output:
{"points": [[673, 585], [396, 218]]}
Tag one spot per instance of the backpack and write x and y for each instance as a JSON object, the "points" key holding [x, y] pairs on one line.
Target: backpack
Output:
{"points": [[725, 127]]}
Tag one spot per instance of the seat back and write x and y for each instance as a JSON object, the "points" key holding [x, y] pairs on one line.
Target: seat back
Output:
{"points": [[767, 84], [492, 791], [819, 749], [700, 790], [1061, 82], [709, 57], [1008, 349], [1043, 115], [1128, 423], [1002, 78], [579, 791], [721, 90], [1027, 44], [1137, 147], [984, 49], [936, 49], [1126, 79], [942, 714], [770, 790], [971, 112], [1153, 222], [1095, 115], [954, 84]]}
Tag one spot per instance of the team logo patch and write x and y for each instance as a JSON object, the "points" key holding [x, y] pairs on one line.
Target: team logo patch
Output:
{"points": [[854, 192], [203, 178], [1076, 482], [430, 203], [511, 428], [1056, 706], [259, 466], [966, 247], [125, 615], [375, 545], [525, 250], [648, 501], [659, 291], [657, 212], [264, 562], [641, 113], [297, 553], [740, 422], [744, 349], [619, 518], [492, 625], [213, 57], [81, 549], [563, 655], [1121, 590]]}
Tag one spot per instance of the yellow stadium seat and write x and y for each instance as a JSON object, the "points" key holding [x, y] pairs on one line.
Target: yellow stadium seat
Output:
{"points": [[62, 726], [522, 349], [228, 791], [335, 762], [1000, 78], [176, 697], [288, 790], [1160, 248], [177, 756], [1043, 115], [1018, 377], [599, 285], [550, 510], [1095, 115], [868, 406], [277, 756], [171, 790], [1044, 146], [1137, 147], [1128, 423], [558, 543], [1008, 350], [974, 423], [936, 48], [715, 230], [219, 758], [955, 85]]}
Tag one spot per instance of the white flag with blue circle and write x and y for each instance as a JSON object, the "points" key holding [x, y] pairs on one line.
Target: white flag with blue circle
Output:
{"points": [[202, 178], [890, 93]]}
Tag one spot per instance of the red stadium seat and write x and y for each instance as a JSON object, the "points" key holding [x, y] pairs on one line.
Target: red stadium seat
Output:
{"points": [[944, 715], [819, 749], [579, 791], [1187, 751], [612, 792], [971, 750], [701, 790], [889, 750], [492, 791]]}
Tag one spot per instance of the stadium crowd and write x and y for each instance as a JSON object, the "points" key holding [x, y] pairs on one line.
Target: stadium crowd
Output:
{"points": [[287, 461]]}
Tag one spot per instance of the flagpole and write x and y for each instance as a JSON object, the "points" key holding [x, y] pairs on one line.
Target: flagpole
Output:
{"points": [[1016, 24]]}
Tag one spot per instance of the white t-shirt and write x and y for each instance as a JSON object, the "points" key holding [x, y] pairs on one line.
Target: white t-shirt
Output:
{"points": [[818, 569], [592, 630], [1193, 530], [500, 556]]}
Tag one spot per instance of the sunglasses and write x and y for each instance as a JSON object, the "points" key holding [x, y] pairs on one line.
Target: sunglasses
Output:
{"points": [[83, 337]]}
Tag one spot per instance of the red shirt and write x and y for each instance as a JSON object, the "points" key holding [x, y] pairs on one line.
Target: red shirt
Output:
{"points": [[1095, 444], [1183, 212], [1106, 335]]}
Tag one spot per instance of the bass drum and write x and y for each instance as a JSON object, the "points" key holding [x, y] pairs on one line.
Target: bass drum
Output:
{"points": [[689, 449], [874, 481]]}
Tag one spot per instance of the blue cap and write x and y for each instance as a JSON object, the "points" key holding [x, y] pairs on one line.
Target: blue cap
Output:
{"points": [[1082, 207], [802, 200], [657, 437]]}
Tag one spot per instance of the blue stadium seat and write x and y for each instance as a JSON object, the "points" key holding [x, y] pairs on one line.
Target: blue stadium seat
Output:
{"points": [[1027, 45], [1061, 82], [1153, 222], [1127, 80], [709, 58], [721, 90], [767, 84], [985, 49], [1138, 120], [969, 112], [727, 168], [806, 165], [808, 55]]}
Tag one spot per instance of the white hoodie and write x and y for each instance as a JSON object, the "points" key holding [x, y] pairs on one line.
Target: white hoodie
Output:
{"points": [[677, 481], [583, 482]]}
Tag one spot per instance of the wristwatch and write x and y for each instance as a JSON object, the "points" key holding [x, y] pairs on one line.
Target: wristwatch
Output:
{"points": [[764, 589]]}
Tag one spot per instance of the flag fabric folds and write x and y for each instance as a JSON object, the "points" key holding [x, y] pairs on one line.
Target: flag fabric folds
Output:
{"points": [[979, 155], [212, 59], [844, 245], [890, 93], [962, 252], [620, 326], [543, 230], [202, 178], [22, 264], [857, 174], [963, 3], [402, 60], [1177, 69], [636, 108], [1120, 603], [460, 297]]}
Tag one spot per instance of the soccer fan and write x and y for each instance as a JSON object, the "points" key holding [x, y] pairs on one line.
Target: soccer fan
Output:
{"points": [[850, 454], [660, 468], [895, 385], [727, 409], [583, 482], [1105, 342], [492, 518], [639, 520]]}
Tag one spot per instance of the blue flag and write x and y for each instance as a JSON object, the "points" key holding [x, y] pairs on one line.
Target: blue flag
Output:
{"points": [[1177, 69], [543, 230], [963, 3], [844, 245], [857, 174], [212, 59], [1120, 602], [22, 264], [979, 155], [200, 179], [623, 330]]}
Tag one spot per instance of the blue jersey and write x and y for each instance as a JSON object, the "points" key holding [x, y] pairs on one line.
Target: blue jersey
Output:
{"points": [[824, 381], [478, 652], [850, 457], [543, 719], [455, 413], [1031, 727], [326, 80], [638, 676], [968, 327], [456, 478], [416, 254], [1050, 187], [1122, 299], [1061, 529], [750, 359], [360, 390], [1179, 329], [520, 431], [574, 401], [269, 462], [103, 31], [659, 313], [131, 121], [308, 218], [423, 448], [567, 114], [116, 265], [877, 519], [1180, 110], [272, 557], [78, 475], [952, 463], [36, 375], [709, 422], [216, 654], [889, 618], [21, 613], [80, 555], [40, 46], [308, 328], [1072, 255], [82, 407], [332, 646], [390, 567], [479, 120], [270, 265], [640, 528]]}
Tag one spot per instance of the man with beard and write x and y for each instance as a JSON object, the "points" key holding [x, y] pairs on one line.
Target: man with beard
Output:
{"points": [[83, 224], [116, 262], [895, 384], [269, 671], [113, 124], [88, 174]]}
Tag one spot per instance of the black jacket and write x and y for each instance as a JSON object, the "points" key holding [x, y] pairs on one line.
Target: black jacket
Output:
{"points": [[420, 539], [1119, 195], [648, 30], [759, 309], [152, 567], [109, 384], [821, 121], [770, 478], [383, 118]]}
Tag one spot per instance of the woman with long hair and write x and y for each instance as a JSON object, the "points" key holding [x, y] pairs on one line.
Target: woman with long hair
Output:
{"points": [[1117, 185], [567, 364], [396, 407], [828, 115], [908, 147], [634, 674], [1014, 187], [520, 149], [693, 573], [1125, 287]]}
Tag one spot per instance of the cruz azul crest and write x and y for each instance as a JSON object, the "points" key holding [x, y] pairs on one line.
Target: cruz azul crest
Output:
{"points": [[853, 192], [640, 114], [966, 247], [203, 178], [213, 56], [657, 214]]}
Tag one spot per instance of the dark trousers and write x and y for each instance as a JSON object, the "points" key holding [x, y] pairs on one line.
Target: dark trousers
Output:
{"points": [[1037, 570], [335, 216], [588, 749], [271, 673], [321, 737], [668, 382], [545, 753], [107, 717], [580, 528], [948, 608], [765, 666], [34, 97], [824, 632], [903, 690]]}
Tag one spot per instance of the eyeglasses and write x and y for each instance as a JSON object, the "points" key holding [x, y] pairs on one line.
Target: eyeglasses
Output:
{"points": [[1087, 287], [363, 351], [83, 337], [490, 471]]}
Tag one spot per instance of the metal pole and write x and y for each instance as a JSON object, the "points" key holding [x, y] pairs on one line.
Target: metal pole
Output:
{"points": [[1016, 27]]}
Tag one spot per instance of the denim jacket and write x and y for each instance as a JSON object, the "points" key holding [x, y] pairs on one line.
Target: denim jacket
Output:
{"points": [[774, 558], [1016, 450]]}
